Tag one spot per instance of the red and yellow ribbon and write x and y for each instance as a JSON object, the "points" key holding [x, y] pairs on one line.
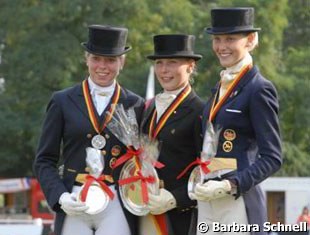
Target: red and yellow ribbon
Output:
{"points": [[202, 164], [153, 131], [216, 106], [91, 108], [161, 224]]}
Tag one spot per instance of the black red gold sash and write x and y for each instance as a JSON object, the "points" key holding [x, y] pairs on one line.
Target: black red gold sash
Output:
{"points": [[91, 108], [154, 130], [217, 105], [160, 221]]}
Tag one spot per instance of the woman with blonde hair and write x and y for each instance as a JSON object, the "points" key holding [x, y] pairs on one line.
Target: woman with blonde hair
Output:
{"points": [[245, 107]]}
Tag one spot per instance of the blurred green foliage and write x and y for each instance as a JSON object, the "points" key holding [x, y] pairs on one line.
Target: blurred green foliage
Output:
{"points": [[41, 53]]}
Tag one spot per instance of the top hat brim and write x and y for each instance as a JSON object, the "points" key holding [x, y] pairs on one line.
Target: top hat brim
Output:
{"points": [[105, 52], [194, 56], [231, 30]]}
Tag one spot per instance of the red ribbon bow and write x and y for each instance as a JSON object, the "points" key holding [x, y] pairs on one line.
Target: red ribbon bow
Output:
{"points": [[131, 152], [89, 180], [203, 165], [144, 181]]}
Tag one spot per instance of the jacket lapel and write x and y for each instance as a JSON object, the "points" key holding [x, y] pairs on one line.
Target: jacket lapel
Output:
{"points": [[107, 108], [147, 113], [238, 89], [244, 80], [122, 98], [183, 109], [77, 98]]}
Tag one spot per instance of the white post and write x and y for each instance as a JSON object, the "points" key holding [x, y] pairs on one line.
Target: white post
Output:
{"points": [[150, 87]]}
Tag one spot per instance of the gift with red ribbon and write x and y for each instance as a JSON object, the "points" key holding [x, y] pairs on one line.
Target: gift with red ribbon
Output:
{"points": [[144, 181], [100, 180]]}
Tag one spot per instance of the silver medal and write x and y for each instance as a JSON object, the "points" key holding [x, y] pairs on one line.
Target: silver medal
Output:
{"points": [[98, 142]]}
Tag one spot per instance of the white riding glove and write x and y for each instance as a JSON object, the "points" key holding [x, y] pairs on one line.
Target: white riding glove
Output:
{"points": [[159, 204], [70, 205], [211, 190]]}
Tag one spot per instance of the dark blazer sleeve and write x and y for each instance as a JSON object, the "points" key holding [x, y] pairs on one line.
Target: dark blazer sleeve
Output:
{"points": [[264, 118], [48, 153], [181, 193]]}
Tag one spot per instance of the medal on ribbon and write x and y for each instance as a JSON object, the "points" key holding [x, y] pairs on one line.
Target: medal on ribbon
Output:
{"points": [[98, 141]]}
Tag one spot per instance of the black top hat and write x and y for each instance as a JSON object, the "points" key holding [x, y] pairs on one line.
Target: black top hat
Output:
{"points": [[174, 46], [106, 40], [232, 20]]}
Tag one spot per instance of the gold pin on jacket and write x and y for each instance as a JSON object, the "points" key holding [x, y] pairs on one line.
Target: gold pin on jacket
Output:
{"points": [[116, 150], [227, 146], [229, 134]]}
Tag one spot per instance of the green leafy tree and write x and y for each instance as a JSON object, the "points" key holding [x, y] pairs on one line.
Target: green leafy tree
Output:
{"points": [[42, 54], [294, 91]]}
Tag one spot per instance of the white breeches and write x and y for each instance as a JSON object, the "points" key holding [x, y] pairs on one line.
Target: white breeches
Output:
{"points": [[110, 221], [225, 211]]}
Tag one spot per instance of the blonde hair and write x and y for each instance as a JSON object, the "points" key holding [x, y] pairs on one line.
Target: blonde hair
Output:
{"points": [[254, 43]]}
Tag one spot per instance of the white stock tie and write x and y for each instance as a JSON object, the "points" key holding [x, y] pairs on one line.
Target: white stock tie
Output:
{"points": [[229, 74], [102, 99], [226, 79], [162, 101]]}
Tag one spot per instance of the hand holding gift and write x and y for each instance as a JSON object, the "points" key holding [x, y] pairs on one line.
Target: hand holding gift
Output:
{"points": [[211, 190], [138, 176], [70, 205], [199, 173], [159, 204]]}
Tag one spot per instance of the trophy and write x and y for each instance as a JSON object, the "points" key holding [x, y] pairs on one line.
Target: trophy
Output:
{"points": [[138, 175], [199, 173], [94, 192]]}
